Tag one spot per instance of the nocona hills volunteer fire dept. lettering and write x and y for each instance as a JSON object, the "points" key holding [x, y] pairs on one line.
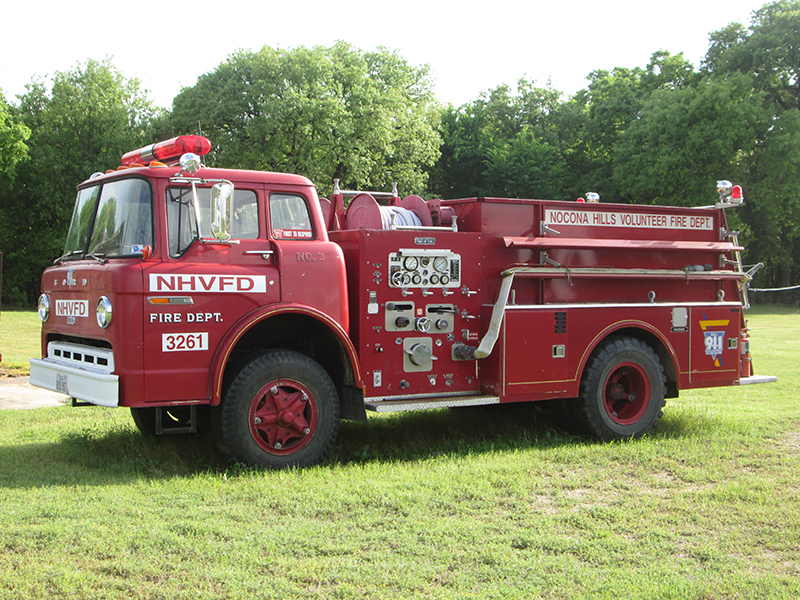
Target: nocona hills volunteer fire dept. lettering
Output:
{"points": [[624, 219], [208, 283]]}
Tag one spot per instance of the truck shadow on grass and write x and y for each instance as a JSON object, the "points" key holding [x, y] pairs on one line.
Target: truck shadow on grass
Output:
{"points": [[102, 453]]}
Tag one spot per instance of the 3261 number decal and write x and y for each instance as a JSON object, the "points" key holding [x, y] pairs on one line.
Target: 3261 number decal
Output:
{"points": [[180, 342]]}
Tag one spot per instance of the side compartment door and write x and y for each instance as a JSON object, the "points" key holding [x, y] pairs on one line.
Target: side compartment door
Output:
{"points": [[534, 352], [714, 345]]}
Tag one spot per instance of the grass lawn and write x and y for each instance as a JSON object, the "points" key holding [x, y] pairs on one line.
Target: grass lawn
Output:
{"points": [[19, 340], [489, 502]]}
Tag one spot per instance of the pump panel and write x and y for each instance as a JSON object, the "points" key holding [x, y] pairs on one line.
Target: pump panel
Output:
{"points": [[411, 306], [424, 268]]}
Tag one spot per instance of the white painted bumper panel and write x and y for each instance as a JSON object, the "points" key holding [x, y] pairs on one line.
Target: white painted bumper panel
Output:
{"points": [[89, 385]]}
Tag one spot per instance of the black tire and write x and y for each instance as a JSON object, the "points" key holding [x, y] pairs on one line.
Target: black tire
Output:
{"points": [[145, 418], [622, 390], [280, 410]]}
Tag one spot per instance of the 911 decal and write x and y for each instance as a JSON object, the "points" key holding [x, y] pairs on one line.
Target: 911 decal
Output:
{"points": [[180, 342], [714, 340]]}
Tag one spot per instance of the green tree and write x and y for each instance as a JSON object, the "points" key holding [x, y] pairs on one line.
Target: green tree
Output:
{"points": [[367, 119], [685, 139], [594, 120], [84, 123], [525, 167], [459, 170], [768, 52], [502, 144], [13, 149]]}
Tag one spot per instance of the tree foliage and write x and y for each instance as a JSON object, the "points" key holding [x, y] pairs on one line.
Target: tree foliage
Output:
{"points": [[686, 139], [13, 149], [367, 119], [88, 118], [502, 144], [768, 52]]}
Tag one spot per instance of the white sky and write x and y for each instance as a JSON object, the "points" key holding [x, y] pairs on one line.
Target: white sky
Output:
{"points": [[470, 46]]}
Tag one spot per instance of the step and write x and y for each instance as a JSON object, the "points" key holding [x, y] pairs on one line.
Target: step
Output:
{"points": [[402, 404], [757, 379]]}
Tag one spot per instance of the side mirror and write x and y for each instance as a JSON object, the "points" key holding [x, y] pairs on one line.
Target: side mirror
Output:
{"points": [[222, 210]]}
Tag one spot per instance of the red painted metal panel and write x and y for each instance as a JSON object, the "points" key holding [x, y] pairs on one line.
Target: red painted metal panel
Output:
{"points": [[714, 346], [384, 315]]}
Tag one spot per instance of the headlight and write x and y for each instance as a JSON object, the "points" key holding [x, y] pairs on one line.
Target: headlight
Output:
{"points": [[103, 312], [44, 307]]}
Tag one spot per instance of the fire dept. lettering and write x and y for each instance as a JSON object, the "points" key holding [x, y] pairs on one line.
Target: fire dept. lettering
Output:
{"points": [[72, 308], [188, 317], [589, 218], [185, 282]]}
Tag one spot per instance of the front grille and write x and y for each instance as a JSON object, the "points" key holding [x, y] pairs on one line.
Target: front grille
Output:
{"points": [[78, 355]]}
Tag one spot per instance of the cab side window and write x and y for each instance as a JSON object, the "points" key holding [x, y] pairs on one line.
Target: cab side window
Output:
{"points": [[245, 216], [289, 217], [181, 224]]}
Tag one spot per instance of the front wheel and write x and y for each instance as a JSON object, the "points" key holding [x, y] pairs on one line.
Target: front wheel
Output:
{"points": [[281, 410], [623, 389]]}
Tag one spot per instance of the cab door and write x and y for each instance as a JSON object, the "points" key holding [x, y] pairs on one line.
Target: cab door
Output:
{"points": [[312, 268], [198, 292]]}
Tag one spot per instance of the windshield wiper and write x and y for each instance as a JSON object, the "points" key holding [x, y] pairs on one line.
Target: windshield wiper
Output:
{"points": [[67, 255], [98, 257]]}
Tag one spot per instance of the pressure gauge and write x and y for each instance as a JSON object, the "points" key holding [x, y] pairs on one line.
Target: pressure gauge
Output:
{"points": [[440, 264], [410, 263]]}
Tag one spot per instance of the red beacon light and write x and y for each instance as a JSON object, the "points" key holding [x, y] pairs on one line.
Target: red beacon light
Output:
{"points": [[168, 150], [729, 194]]}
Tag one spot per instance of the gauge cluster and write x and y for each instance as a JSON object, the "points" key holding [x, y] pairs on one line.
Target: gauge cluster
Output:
{"points": [[424, 268]]}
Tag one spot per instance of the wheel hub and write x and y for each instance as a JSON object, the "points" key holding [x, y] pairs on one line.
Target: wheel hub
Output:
{"points": [[283, 416], [286, 418], [626, 393], [616, 391]]}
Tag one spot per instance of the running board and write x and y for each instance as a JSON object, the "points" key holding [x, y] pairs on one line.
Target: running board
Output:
{"points": [[757, 379], [426, 403]]}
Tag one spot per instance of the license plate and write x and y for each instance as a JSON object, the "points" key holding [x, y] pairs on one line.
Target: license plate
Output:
{"points": [[61, 383]]}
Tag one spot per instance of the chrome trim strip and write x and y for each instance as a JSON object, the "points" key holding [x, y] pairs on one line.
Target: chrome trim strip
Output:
{"points": [[619, 305]]}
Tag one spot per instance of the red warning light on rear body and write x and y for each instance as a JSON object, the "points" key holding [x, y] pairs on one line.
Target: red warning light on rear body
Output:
{"points": [[168, 150]]}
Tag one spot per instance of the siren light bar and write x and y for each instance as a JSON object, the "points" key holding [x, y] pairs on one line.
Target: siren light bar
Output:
{"points": [[168, 150]]}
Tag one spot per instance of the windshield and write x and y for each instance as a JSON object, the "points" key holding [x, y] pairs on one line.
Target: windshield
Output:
{"points": [[111, 219]]}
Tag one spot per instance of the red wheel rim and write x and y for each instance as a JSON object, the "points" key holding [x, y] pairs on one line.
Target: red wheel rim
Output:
{"points": [[283, 416], [626, 393]]}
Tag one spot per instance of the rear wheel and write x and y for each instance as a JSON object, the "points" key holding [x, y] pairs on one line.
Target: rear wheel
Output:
{"points": [[280, 410], [623, 389]]}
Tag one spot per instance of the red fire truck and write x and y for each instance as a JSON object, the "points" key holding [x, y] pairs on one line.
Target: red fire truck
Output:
{"points": [[239, 299]]}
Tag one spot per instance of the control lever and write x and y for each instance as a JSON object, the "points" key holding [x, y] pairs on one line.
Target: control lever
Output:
{"points": [[440, 310]]}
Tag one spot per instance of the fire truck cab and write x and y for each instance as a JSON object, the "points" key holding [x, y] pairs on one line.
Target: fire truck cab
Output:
{"points": [[194, 295]]}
